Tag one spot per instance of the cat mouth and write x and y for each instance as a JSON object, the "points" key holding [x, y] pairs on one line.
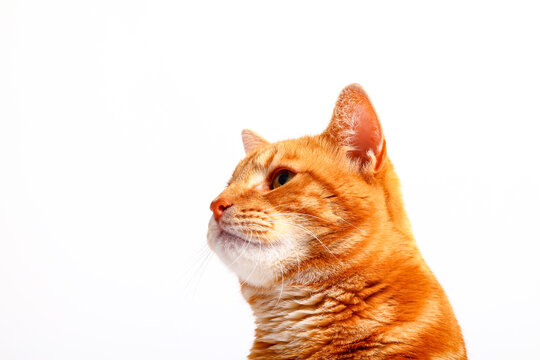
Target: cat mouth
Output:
{"points": [[227, 237]]}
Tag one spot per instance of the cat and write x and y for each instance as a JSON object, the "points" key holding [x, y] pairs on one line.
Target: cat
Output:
{"points": [[316, 231]]}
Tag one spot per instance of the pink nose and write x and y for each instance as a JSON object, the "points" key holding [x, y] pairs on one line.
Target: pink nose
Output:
{"points": [[218, 206]]}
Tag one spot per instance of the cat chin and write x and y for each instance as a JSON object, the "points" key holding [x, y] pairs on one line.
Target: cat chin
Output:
{"points": [[254, 263]]}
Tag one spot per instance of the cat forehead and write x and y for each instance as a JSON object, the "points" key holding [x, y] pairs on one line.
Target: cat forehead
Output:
{"points": [[297, 154], [263, 157], [258, 162], [255, 167]]}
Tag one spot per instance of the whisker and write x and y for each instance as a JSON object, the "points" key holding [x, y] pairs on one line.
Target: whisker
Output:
{"points": [[275, 207], [306, 231], [293, 248], [196, 271], [315, 236], [287, 216], [313, 216], [256, 265], [242, 250], [282, 274]]}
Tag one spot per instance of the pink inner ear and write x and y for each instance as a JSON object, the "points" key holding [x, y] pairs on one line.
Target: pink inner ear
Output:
{"points": [[366, 129], [359, 125]]}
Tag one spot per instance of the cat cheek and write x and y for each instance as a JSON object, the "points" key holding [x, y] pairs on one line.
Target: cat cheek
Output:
{"points": [[263, 187]]}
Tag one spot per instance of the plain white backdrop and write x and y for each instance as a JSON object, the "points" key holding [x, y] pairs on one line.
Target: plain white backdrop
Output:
{"points": [[120, 121]]}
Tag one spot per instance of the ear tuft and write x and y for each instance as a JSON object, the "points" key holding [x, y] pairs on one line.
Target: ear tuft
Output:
{"points": [[355, 125], [252, 140]]}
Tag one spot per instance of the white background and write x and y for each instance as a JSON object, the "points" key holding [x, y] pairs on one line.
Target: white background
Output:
{"points": [[120, 121]]}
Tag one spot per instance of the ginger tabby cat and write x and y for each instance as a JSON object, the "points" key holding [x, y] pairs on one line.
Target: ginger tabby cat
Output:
{"points": [[316, 231]]}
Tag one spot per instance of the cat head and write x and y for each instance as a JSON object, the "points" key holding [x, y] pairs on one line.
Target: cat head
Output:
{"points": [[302, 209]]}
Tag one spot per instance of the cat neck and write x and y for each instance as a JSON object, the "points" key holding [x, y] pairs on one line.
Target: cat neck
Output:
{"points": [[296, 320], [393, 199], [338, 314]]}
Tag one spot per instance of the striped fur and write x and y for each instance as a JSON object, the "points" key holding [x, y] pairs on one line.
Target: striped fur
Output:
{"points": [[328, 261]]}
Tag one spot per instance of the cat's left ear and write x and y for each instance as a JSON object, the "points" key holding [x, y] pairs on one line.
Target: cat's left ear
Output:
{"points": [[355, 126], [252, 140]]}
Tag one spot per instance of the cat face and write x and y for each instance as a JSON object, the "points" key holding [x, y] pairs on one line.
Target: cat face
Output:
{"points": [[299, 209]]}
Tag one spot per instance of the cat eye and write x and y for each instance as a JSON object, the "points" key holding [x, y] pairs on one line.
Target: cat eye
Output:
{"points": [[280, 178]]}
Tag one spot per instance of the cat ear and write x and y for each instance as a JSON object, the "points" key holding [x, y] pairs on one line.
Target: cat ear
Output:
{"points": [[355, 125], [252, 140]]}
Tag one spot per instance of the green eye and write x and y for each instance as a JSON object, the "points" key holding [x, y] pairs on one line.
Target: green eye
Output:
{"points": [[281, 178]]}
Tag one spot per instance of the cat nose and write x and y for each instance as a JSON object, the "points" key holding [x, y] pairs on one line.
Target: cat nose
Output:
{"points": [[218, 206]]}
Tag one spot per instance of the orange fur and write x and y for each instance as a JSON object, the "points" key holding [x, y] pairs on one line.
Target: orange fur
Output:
{"points": [[328, 261]]}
